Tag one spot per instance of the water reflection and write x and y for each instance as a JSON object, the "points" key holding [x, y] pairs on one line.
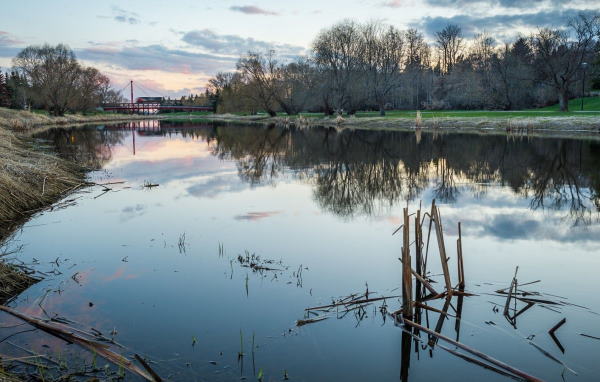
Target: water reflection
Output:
{"points": [[324, 203], [362, 172]]}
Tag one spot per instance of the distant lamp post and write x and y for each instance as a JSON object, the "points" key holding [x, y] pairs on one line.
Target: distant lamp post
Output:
{"points": [[584, 67]]}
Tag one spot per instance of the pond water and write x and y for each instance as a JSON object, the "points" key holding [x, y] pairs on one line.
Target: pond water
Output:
{"points": [[158, 268]]}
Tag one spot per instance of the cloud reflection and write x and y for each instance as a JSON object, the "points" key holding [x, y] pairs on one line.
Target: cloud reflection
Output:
{"points": [[254, 216]]}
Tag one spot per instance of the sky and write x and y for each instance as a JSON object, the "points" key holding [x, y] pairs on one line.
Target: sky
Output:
{"points": [[173, 48]]}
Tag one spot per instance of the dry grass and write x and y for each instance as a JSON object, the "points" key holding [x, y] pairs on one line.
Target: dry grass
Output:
{"points": [[6, 377], [30, 179], [13, 281], [542, 125], [20, 120]]}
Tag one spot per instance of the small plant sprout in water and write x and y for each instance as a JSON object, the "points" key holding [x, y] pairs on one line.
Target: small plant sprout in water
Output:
{"points": [[149, 185], [260, 375], [194, 340], [241, 352], [181, 243]]}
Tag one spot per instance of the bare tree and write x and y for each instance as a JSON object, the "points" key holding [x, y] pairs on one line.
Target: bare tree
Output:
{"points": [[450, 45], [337, 50], [418, 63], [382, 56], [294, 84], [261, 71], [559, 59], [91, 88], [53, 72]]}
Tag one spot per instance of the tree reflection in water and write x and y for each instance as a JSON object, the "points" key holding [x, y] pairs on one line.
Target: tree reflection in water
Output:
{"points": [[357, 172]]}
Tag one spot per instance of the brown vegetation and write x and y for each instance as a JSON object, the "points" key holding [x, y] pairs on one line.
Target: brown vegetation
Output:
{"points": [[30, 179], [546, 125], [20, 120]]}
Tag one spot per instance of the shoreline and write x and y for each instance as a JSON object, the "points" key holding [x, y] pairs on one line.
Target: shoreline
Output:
{"points": [[557, 127], [21, 120], [542, 126]]}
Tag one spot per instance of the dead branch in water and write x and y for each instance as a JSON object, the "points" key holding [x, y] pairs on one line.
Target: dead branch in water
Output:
{"points": [[310, 321], [553, 336], [479, 354], [67, 334], [588, 336], [354, 302]]}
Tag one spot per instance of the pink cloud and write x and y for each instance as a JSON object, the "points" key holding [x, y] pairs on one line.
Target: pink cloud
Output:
{"points": [[120, 274], [252, 10], [392, 3], [253, 216]]}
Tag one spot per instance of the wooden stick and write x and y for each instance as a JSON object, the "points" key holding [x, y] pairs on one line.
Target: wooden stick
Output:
{"points": [[427, 307], [479, 354], [425, 282], [418, 254], [553, 336], [406, 268], [510, 292], [588, 336], [354, 302], [156, 377], [60, 332], [442, 248], [461, 267], [555, 327], [480, 363], [428, 236]]}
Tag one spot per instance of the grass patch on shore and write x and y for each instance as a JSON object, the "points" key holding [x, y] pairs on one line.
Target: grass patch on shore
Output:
{"points": [[478, 114], [13, 281], [589, 104], [20, 120], [30, 179]]}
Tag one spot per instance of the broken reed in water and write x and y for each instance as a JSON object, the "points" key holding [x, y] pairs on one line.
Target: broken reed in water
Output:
{"points": [[421, 250]]}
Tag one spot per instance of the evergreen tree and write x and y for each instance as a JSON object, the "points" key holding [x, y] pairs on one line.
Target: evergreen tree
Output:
{"points": [[4, 93]]}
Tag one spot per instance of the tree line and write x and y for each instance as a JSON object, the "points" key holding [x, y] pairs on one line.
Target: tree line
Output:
{"points": [[51, 78], [373, 66]]}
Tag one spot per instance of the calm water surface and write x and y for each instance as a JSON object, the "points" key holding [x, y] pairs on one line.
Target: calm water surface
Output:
{"points": [[145, 263]]}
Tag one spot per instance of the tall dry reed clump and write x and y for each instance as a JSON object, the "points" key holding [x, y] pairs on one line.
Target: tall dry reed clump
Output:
{"points": [[30, 179]]}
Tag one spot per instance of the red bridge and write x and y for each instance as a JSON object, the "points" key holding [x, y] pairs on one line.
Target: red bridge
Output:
{"points": [[152, 108], [152, 105]]}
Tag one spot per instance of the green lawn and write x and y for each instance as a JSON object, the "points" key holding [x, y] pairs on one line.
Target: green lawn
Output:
{"points": [[477, 114], [589, 104], [591, 108]]}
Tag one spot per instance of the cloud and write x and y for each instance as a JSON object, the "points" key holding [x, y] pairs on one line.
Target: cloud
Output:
{"points": [[216, 185], [252, 10], [236, 45], [502, 26], [531, 5], [123, 16], [130, 212], [508, 226], [502, 3], [392, 3], [7, 45], [254, 216], [157, 57], [6, 39]]}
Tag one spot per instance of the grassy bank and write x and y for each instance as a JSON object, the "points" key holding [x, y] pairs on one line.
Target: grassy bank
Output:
{"points": [[464, 121], [30, 179], [18, 120], [589, 104]]}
